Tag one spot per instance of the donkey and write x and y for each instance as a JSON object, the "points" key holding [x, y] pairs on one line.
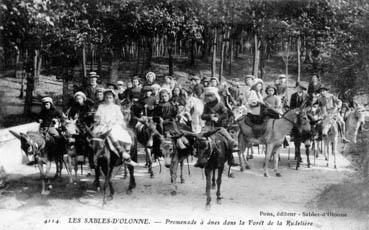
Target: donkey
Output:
{"points": [[213, 150], [106, 160], [42, 149], [174, 156], [145, 133], [330, 133], [273, 137]]}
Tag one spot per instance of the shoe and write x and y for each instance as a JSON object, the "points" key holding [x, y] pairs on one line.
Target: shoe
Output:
{"points": [[130, 162]]}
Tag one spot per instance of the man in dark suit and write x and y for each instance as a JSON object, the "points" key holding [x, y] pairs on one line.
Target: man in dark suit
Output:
{"points": [[299, 97], [92, 87]]}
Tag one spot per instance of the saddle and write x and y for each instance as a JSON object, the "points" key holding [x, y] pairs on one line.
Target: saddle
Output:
{"points": [[257, 123]]}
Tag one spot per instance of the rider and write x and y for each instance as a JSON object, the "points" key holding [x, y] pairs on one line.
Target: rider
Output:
{"points": [[214, 115], [272, 101], [47, 114], [99, 98], [165, 112], [45, 118], [91, 88], [331, 105], [255, 102], [299, 97], [81, 108], [109, 117], [246, 90], [133, 94], [314, 86], [282, 90], [150, 79], [148, 101], [214, 82]]}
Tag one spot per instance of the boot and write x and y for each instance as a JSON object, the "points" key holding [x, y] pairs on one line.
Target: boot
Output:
{"points": [[124, 157]]}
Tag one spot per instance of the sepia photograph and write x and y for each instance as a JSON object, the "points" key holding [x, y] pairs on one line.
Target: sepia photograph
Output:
{"points": [[184, 114]]}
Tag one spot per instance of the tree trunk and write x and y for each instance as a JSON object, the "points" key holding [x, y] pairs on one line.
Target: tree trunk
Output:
{"points": [[170, 57], [287, 57], [214, 57], [148, 58], [221, 64], [92, 58], [84, 67], [255, 68], [114, 66], [17, 54], [35, 68], [192, 53], [65, 90], [231, 47], [30, 86], [99, 61], [298, 59]]}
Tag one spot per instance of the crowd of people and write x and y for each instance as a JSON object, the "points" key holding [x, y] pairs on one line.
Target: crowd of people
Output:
{"points": [[205, 105]]}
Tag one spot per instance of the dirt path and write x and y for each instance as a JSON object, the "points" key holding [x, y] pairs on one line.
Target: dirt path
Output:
{"points": [[21, 206]]}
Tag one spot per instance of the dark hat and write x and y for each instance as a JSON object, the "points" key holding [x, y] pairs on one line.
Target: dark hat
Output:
{"points": [[107, 91], [198, 89], [300, 84], [93, 75], [205, 79], [136, 78], [195, 77], [323, 88], [214, 78], [147, 88], [112, 84]]}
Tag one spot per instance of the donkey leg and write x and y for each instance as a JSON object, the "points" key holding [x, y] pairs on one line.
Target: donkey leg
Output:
{"points": [[307, 149], [213, 180], [241, 152], [297, 154], [276, 160], [208, 186], [182, 179], [173, 171], [149, 162], [97, 177], [219, 181], [110, 183], [268, 153], [334, 142], [132, 181]]}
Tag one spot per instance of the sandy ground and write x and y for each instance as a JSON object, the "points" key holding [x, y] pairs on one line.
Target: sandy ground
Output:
{"points": [[245, 197]]}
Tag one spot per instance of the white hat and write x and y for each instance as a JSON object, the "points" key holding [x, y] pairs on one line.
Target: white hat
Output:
{"points": [[165, 90], [150, 73], [209, 90], [257, 81], [80, 93], [47, 99], [120, 83], [212, 90], [282, 76]]}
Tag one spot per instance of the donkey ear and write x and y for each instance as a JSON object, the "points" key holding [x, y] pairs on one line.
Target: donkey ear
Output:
{"points": [[25, 136], [76, 117], [64, 116], [18, 136]]}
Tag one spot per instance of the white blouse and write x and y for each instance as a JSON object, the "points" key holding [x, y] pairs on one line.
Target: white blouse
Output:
{"points": [[109, 114]]}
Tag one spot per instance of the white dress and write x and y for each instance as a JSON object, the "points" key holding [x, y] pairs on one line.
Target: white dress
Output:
{"points": [[109, 116], [195, 107]]}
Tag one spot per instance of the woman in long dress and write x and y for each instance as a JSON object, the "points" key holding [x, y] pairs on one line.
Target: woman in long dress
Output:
{"points": [[109, 117]]}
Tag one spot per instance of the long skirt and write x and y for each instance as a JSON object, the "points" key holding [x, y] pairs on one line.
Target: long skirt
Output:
{"points": [[118, 133]]}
